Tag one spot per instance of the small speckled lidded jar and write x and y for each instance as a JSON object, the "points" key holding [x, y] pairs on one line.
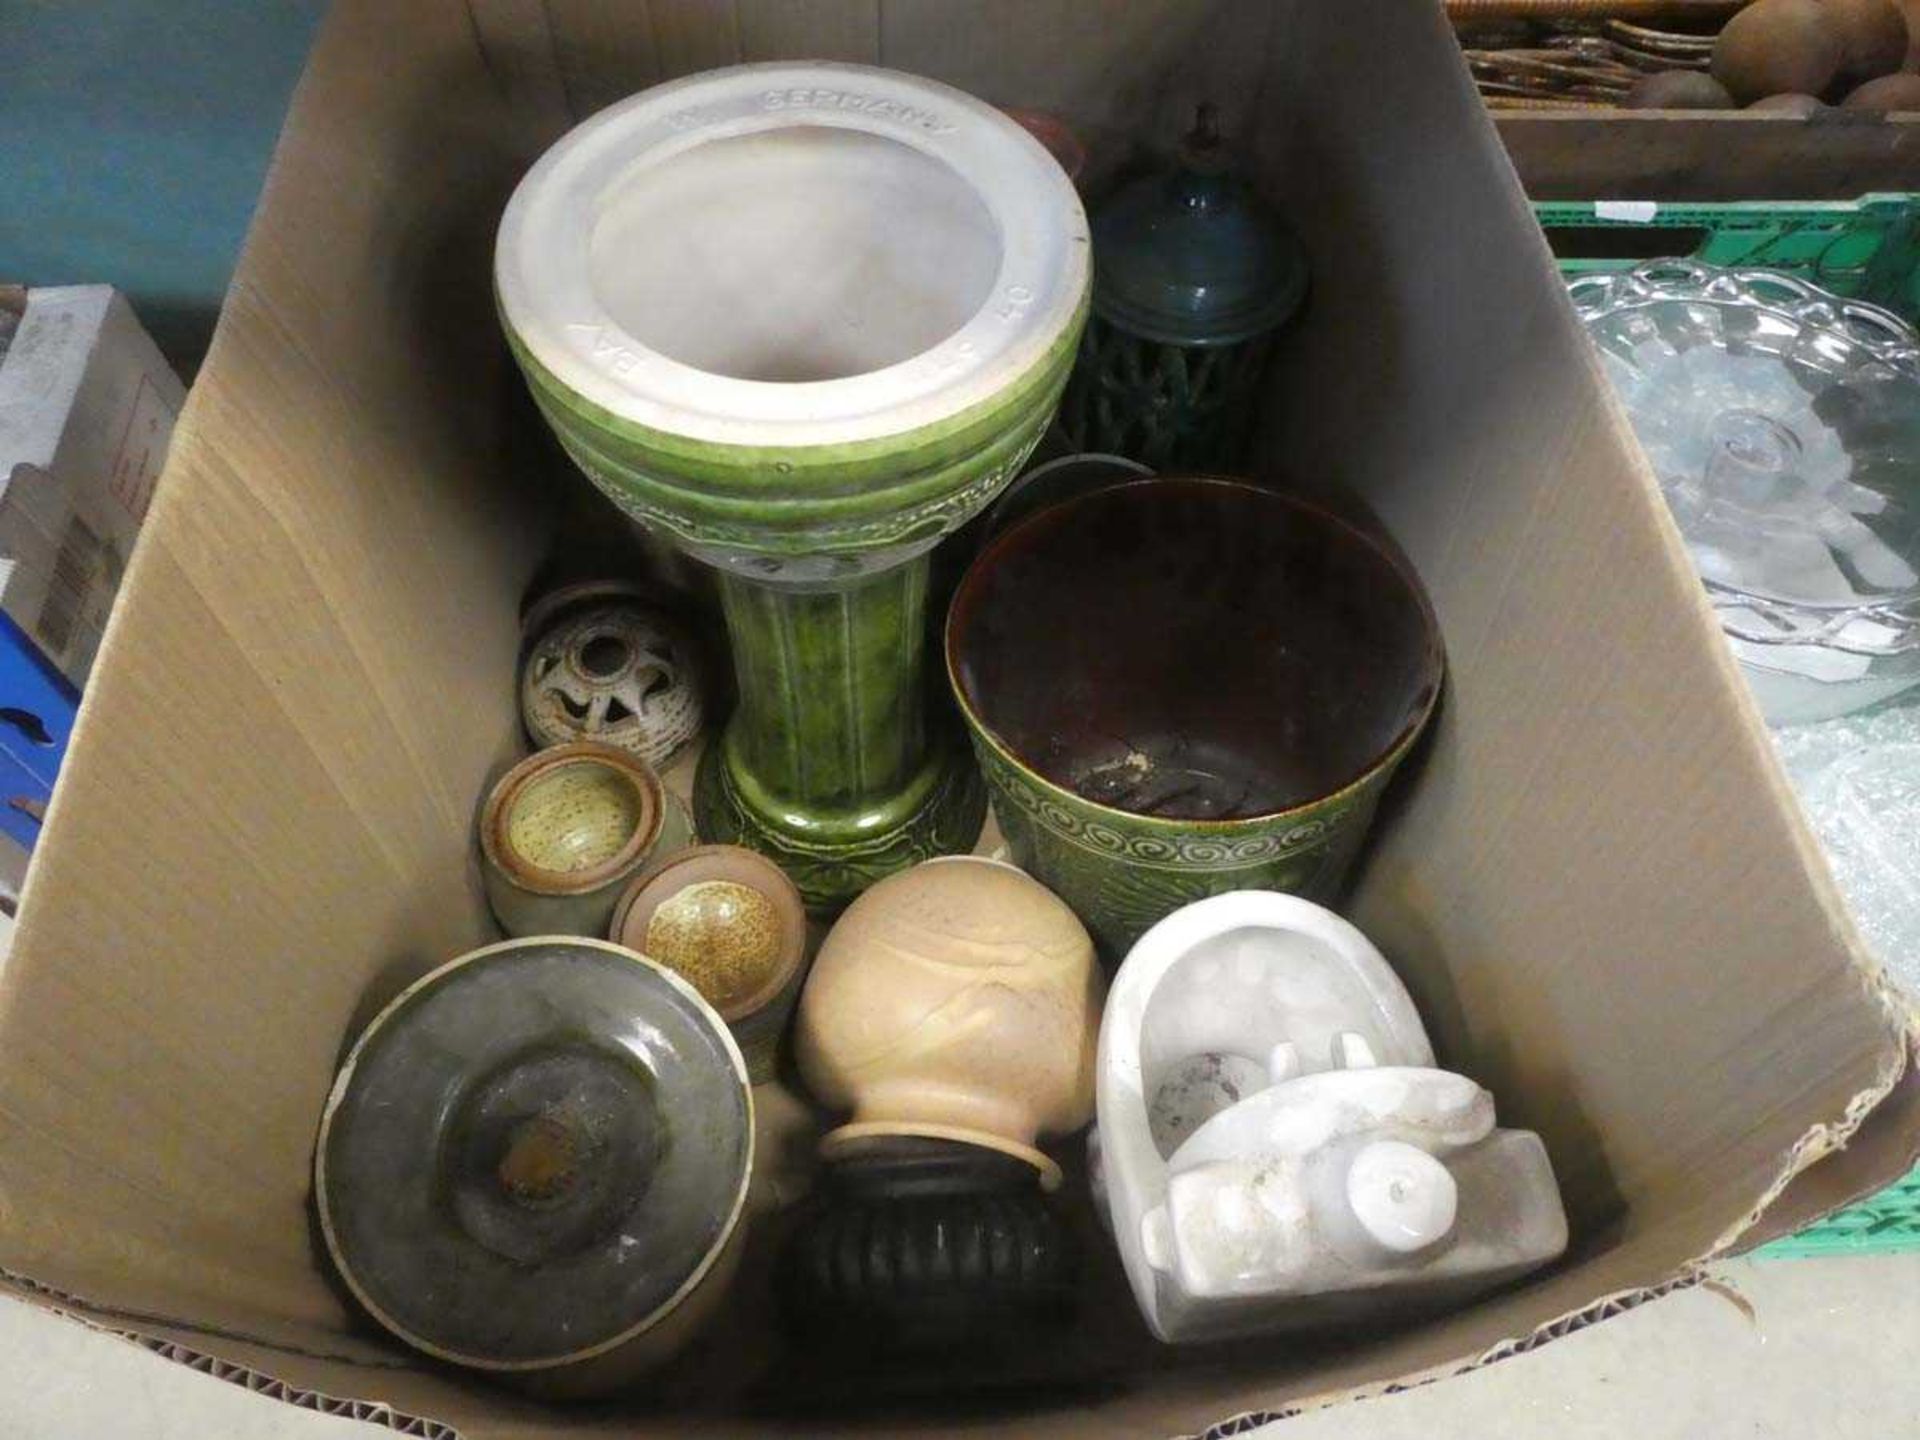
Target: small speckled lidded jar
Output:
{"points": [[564, 832], [729, 922]]}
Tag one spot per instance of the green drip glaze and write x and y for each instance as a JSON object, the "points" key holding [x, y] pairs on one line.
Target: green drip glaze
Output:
{"points": [[830, 765], [834, 854], [831, 713]]}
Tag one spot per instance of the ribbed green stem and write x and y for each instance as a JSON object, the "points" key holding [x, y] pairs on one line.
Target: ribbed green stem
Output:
{"points": [[831, 713]]}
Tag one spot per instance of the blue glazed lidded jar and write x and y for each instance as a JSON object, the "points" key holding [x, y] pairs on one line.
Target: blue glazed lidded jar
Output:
{"points": [[1193, 277]]}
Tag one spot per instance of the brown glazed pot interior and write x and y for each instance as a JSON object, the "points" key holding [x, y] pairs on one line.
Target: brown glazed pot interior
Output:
{"points": [[1194, 648]]}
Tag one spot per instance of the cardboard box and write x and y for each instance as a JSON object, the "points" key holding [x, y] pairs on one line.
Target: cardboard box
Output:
{"points": [[86, 408], [1593, 878]]}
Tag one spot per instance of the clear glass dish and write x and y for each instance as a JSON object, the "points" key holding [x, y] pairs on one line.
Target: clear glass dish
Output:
{"points": [[1783, 423]]}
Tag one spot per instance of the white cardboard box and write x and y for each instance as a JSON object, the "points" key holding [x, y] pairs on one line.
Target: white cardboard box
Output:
{"points": [[87, 406]]}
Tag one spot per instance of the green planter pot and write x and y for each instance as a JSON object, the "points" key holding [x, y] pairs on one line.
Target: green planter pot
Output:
{"points": [[1180, 687], [805, 320], [1124, 873]]}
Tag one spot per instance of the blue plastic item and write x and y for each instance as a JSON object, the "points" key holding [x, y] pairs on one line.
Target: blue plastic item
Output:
{"points": [[37, 709]]}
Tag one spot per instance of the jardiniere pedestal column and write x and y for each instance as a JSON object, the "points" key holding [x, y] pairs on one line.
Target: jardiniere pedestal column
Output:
{"points": [[807, 319]]}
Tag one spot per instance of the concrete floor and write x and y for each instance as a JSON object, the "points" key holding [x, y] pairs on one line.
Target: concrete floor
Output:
{"points": [[1831, 1352]]}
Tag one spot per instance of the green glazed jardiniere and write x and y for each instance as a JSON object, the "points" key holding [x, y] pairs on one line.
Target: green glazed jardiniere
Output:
{"points": [[805, 319], [1180, 687]]}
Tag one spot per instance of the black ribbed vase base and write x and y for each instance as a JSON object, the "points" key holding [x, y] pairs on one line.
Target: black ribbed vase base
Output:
{"points": [[920, 1245]]}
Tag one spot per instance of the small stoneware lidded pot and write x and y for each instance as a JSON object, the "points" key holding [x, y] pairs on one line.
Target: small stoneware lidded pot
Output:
{"points": [[958, 1000], [566, 829], [1179, 687], [618, 673], [534, 1163], [730, 922]]}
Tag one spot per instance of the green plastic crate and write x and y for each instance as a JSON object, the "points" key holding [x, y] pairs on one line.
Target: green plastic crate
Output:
{"points": [[1889, 1221], [1865, 249]]}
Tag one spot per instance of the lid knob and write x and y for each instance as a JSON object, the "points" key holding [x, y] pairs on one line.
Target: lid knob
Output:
{"points": [[543, 1160], [1404, 1199]]}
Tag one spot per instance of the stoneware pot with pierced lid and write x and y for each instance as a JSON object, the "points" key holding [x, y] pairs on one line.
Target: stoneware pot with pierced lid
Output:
{"points": [[617, 673], [806, 319], [730, 922], [534, 1163], [565, 830]]}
